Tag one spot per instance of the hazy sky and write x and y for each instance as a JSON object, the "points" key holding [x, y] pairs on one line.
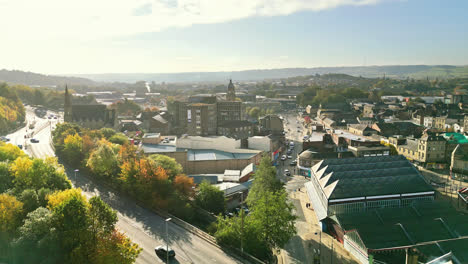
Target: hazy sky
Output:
{"points": [[103, 36]]}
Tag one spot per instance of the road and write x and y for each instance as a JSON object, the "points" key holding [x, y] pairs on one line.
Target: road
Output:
{"points": [[142, 226], [295, 251]]}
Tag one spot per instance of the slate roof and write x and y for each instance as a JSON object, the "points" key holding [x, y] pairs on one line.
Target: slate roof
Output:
{"points": [[89, 112], [368, 176]]}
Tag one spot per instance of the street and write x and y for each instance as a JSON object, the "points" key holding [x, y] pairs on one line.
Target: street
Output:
{"points": [[142, 226], [303, 247]]}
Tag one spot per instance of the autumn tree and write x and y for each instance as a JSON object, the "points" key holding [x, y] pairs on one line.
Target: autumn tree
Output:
{"points": [[10, 152], [72, 149], [38, 173], [169, 164], [184, 185]]}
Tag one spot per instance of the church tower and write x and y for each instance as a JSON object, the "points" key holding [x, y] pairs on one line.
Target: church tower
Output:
{"points": [[231, 92], [67, 117]]}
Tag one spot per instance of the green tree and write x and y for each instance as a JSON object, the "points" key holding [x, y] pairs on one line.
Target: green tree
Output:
{"points": [[30, 200], [264, 180], [38, 238], [102, 218], [71, 221], [6, 179], [210, 198], [103, 160], [107, 132], [273, 218], [169, 164], [118, 138]]}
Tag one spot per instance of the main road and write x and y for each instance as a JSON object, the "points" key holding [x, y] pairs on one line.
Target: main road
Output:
{"points": [[142, 226]]}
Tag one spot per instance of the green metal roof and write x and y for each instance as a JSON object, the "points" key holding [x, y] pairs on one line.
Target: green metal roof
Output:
{"points": [[371, 176], [399, 227], [455, 138]]}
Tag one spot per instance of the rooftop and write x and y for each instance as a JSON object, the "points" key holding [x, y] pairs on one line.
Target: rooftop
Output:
{"points": [[455, 138], [196, 154], [368, 176], [386, 228], [350, 136]]}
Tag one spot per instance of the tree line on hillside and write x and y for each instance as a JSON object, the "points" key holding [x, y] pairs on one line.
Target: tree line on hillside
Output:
{"points": [[44, 220], [47, 97], [12, 113]]}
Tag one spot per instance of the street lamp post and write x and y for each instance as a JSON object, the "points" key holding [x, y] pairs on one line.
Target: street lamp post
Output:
{"points": [[167, 241], [76, 170]]}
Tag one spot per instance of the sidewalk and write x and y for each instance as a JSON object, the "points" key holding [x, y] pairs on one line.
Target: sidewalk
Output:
{"points": [[309, 241]]}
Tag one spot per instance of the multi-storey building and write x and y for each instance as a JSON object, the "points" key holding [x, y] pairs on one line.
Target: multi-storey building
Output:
{"points": [[201, 119], [429, 148]]}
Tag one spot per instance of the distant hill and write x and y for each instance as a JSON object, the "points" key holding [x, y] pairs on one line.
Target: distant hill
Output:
{"points": [[397, 71], [117, 79], [30, 78]]}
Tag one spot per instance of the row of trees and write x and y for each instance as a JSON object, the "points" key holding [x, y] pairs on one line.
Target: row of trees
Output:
{"points": [[44, 220], [47, 97], [314, 95], [156, 180], [271, 221], [12, 112]]}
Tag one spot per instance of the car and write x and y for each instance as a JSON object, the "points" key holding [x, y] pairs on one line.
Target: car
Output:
{"points": [[291, 144], [33, 140], [289, 152], [293, 163], [283, 157], [55, 117], [20, 146], [289, 157], [162, 251], [5, 139], [287, 173]]}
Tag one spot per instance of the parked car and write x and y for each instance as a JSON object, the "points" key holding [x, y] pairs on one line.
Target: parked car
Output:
{"points": [[287, 173], [293, 163], [283, 157], [162, 251], [33, 140], [289, 152], [289, 157]]}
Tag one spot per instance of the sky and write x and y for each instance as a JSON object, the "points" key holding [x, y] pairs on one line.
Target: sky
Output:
{"points": [[159, 36]]}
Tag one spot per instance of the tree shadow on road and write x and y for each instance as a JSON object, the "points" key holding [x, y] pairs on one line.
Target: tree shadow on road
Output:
{"points": [[153, 224]]}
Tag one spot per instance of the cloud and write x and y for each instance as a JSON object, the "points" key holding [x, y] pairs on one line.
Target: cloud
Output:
{"points": [[91, 19], [144, 10], [92, 35]]}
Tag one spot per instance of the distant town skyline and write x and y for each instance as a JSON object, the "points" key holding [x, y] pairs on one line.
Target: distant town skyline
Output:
{"points": [[161, 36]]}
